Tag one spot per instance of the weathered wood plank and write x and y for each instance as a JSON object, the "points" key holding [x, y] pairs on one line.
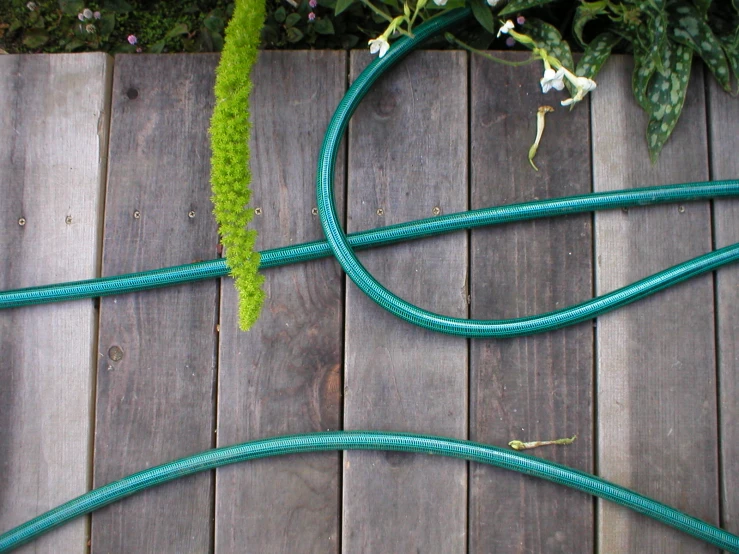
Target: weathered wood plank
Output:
{"points": [[539, 387], [407, 156], [284, 375], [54, 115], [656, 374], [157, 349], [723, 115]]}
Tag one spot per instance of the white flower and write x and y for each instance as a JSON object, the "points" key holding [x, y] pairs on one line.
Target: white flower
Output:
{"points": [[552, 80], [31, 6], [493, 3], [440, 2], [507, 26], [379, 44], [87, 13], [583, 86]]}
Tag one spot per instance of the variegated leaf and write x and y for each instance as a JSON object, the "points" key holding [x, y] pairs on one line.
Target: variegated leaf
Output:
{"points": [[690, 29], [547, 36], [596, 54], [515, 6], [644, 68], [666, 96]]}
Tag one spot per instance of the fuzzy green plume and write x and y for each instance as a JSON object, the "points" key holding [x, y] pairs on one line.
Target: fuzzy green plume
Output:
{"points": [[230, 175]]}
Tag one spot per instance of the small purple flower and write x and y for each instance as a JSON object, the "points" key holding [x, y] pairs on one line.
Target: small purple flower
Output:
{"points": [[311, 16], [87, 13], [96, 15], [80, 16], [139, 50], [132, 39], [520, 20], [312, 3], [510, 41]]}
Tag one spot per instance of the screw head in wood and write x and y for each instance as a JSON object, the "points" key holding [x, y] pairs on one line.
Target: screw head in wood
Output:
{"points": [[314, 211], [380, 212], [257, 211], [136, 214], [191, 214], [681, 209], [115, 353], [22, 221], [436, 210], [68, 220]]}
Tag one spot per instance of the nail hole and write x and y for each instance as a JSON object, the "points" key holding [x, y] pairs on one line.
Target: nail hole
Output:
{"points": [[191, 214], [625, 210], [22, 221], [436, 210], [380, 212], [258, 211], [681, 209], [137, 214], [132, 94], [68, 220], [314, 211]]}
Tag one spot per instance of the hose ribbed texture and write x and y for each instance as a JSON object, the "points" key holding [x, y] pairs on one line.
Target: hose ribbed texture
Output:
{"points": [[169, 276], [367, 440], [341, 246]]}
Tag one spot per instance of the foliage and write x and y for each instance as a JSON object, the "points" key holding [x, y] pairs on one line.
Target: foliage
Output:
{"points": [[107, 25], [230, 174]]}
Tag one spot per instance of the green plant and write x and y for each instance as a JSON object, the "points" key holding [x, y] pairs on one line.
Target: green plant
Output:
{"points": [[114, 26], [662, 35], [230, 174]]}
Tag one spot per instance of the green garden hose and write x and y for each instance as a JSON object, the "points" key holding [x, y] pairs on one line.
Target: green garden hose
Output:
{"points": [[341, 247], [367, 440], [121, 284]]}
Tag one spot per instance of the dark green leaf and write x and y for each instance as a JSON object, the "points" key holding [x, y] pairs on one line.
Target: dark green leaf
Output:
{"points": [[292, 20], [702, 6], [547, 36], [484, 16], [732, 55], [324, 26], [280, 14], [157, 47], [596, 54], [341, 5], [393, 4], [117, 6], [644, 68], [666, 96], [74, 44], [214, 23], [71, 7], [217, 39], [177, 30], [690, 29], [35, 38], [515, 6], [107, 24], [294, 34], [587, 11], [349, 41]]}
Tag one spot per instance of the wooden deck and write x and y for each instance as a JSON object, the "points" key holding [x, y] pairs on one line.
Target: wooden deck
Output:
{"points": [[107, 162]]}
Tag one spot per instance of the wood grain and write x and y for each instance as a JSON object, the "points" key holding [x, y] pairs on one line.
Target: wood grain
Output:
{"points": [[284, 375], [656, 366], [538, 387], [723, 115], [157, 349], [54, 114], [407, 156]]}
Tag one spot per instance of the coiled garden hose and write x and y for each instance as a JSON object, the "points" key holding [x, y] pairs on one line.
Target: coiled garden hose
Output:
{"points": [[367, 440], [341, 246]]}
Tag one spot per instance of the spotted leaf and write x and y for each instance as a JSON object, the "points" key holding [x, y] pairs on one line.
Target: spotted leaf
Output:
{"points": [[587, 11], [596, 54], [547, 36], [666, 96], [515, 6], [644, 68], [690, 29]]}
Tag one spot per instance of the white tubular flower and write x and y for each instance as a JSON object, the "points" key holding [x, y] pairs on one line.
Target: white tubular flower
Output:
{"points": [[507, 26], [583, 86], [379, 44], [440, 2], [493, 3], [552, 80]]}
